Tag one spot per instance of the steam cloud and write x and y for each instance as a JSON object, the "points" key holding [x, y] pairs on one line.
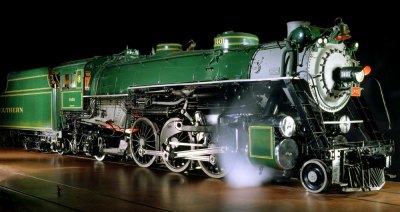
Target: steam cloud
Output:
{"points": [[243, 173]]}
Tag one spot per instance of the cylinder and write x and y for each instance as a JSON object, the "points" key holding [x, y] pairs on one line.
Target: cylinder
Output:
{"points": [[265, 149]]}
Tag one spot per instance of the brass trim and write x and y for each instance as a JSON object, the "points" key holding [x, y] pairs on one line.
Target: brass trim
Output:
{"points": [[31, 89], [237, 36], [23, 78]]}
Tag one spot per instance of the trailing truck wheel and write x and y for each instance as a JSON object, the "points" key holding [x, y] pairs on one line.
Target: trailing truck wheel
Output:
{"points": [[26, 142], [314, 176], [144, 139], [63, 147], [101, 144]]}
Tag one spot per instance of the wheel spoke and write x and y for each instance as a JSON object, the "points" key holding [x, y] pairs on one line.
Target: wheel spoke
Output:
{"points": [[137, 137], [147, 134], [151, 147]]}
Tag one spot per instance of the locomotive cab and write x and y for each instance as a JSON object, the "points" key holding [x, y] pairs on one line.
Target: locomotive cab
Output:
{"points": [[71, 85]]}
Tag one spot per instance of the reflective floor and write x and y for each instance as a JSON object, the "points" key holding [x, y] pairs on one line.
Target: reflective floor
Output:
{"points": [[48, 182]]}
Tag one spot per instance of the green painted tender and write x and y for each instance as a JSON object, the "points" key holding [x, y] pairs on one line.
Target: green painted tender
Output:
{"points": [[29, 101]]}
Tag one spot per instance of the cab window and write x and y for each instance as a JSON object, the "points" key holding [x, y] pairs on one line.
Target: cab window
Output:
{"points": [[69, 81], [87, 80]]}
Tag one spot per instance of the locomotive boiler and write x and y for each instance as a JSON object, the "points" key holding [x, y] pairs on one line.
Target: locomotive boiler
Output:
{"points": [[292, 105]]}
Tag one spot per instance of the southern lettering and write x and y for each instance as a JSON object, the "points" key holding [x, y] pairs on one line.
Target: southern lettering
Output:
{"points": [[11, 109]]}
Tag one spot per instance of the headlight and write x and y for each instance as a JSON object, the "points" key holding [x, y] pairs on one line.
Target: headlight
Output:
{"points": [[359, 76], [287, 126]]}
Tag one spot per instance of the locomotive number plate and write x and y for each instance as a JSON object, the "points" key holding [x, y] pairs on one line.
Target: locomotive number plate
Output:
{"points": [[356, 91]]}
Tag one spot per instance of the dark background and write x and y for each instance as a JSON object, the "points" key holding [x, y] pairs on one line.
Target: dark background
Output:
{"points": [[46, 35]]}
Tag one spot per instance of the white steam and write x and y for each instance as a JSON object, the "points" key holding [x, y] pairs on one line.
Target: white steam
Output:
{"points": [[243, 173]]}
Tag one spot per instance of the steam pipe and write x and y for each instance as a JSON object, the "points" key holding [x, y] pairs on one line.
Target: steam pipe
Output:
{"points": [[283, 63], [291, 62], [169, 103]]}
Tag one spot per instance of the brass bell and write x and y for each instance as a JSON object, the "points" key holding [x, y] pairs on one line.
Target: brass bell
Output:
{"points": [[344, 32]]}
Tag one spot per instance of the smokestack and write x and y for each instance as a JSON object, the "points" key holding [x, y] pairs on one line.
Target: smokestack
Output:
{"points": [[292, 25]]}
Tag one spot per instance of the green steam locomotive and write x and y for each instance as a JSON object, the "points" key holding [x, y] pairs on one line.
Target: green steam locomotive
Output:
{"points": [[292, 105]]}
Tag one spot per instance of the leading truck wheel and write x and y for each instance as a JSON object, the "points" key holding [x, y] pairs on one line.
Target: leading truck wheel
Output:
{"points": [[314, 176], [144, 139]]}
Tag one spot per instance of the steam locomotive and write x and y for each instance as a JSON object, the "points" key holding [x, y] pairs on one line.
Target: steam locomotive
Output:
{"points": [[292, 105]]}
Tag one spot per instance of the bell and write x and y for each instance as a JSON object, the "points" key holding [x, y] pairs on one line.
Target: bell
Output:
{"points": [[344, 32]]}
